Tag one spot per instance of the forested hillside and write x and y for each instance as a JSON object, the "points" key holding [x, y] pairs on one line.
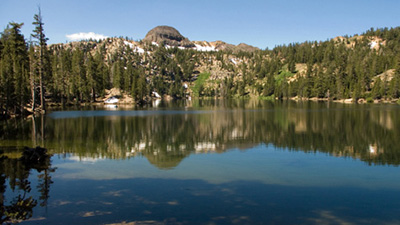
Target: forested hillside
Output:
{"points": [[33, 73]]}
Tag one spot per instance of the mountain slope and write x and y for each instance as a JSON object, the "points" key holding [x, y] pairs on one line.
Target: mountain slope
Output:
{"points": [[169, 64], [363, 66]]}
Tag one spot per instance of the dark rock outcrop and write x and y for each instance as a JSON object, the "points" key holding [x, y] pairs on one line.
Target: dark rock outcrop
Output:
{"points": [[168, 36]]}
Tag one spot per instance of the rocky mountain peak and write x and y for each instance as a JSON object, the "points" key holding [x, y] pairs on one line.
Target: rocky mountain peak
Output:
{"points": [[169, 36]]}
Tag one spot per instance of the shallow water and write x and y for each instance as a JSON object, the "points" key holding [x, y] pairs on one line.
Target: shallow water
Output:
{"points": [[208, 162]]}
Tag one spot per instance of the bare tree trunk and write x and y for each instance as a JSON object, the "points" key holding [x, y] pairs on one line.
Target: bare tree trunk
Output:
{"points": [[94, 95], [42, 120], [32, 80], [34, 131], [42, 100], [41, 39]]}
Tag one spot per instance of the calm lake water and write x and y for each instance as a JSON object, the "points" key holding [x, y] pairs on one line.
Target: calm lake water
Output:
{"points": [[206, 162]]}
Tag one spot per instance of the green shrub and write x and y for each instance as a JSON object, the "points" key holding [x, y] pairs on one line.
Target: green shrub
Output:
{"points": [[269, 98], [199, 84]]}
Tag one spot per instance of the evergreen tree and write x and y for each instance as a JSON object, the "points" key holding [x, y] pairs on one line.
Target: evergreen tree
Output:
{"points": [[134, 85], [141, 87], [269, 86], [67, 79], [103, 78], [14, 70], [117, 72], [128, 75], [91, 75], [292, 66], [55, 84], [339, 87], [319, 88], [395, 84], [41, 41]]}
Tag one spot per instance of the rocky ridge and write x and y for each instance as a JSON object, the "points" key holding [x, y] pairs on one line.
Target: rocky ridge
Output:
{"points": [[168, 36], [161, 35], [171, 37]]}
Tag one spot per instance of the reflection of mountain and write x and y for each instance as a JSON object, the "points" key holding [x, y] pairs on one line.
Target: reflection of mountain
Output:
{"points": [[165, 160], [165, 137]]}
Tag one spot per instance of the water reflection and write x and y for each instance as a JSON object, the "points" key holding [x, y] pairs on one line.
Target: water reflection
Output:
{"points": [[16, 200], [264, 184], [168, 134]]}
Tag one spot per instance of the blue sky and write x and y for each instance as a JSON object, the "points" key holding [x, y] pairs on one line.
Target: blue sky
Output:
{"points": [[255, 22]]}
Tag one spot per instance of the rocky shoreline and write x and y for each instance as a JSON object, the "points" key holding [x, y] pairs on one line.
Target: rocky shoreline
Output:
{"points": [[349, 100]]}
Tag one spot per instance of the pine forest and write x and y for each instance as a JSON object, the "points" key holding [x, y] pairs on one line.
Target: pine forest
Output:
{"points": [[33, 74]]}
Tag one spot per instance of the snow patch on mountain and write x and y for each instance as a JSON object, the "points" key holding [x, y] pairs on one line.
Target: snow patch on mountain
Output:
{"points": [[134, 47], [138, 50], [129, 44], [204, 48], [372, 44], [85, 36]]}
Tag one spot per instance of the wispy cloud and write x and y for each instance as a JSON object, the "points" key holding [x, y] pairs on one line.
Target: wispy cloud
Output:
{"points": [[85, 36]]}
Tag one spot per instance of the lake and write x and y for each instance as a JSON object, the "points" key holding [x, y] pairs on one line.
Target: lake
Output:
{"points": [[206, 162]]}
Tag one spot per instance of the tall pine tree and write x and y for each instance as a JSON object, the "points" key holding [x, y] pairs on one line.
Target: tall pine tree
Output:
{"points": [[41, 42]]}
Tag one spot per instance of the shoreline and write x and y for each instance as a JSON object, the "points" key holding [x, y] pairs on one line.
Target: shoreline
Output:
{"points": [[348, 100], [53, 105], [126, 101], [314, 99]]}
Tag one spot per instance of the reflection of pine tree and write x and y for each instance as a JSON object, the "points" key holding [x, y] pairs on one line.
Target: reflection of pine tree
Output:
{"points": [[2, 189], [44, 185], [17, 171], [21, 207]]}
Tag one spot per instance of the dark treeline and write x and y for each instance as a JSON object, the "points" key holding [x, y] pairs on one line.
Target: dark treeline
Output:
{"points": [[23, 69], [342, 67], [336, 69], [32, 73], [82, 71]]}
